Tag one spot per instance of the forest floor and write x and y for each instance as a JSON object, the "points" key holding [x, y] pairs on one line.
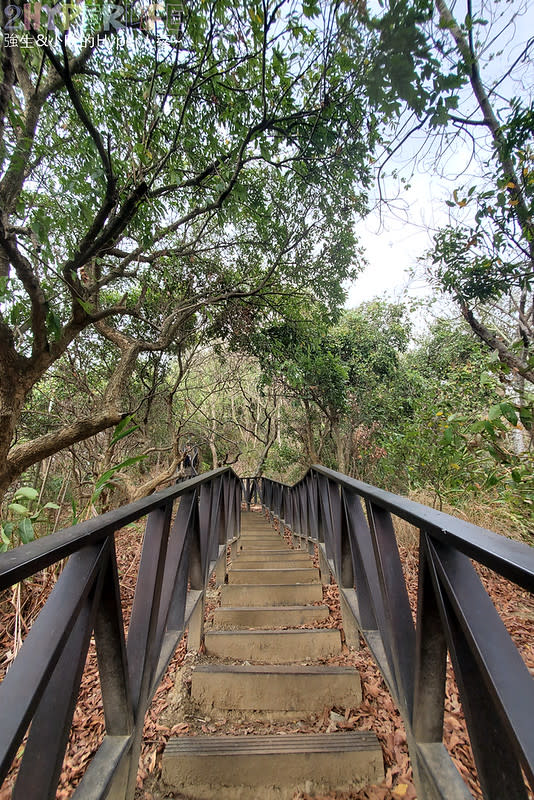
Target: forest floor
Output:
{"points": [[170, 715]]}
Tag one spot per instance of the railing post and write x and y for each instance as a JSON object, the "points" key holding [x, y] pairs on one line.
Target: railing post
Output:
{"points": [[480, 647], [400, 630], [235, 499], [143, 623], [145, 611], [326, 563], [49, 732], [111, 654], [222, 527], [295, 533], [346, 578], [311, 496], [238, 495], [183, 559], [290, 512], [431, 656], [363, 566], [335, 526]]}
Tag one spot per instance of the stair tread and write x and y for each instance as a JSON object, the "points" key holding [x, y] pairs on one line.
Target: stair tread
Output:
{"points": [[340, 741], [273, 569], [278, 669], [278, 563], [270, 594], [276, 632], [280, 550], [284, 554], [244, 586], [280, 609]]}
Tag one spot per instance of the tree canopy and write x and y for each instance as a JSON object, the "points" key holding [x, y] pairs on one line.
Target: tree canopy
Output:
{"points": [[181, 181], [156, 185]]}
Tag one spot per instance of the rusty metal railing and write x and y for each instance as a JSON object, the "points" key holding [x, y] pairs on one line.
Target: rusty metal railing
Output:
{"points": [[455, 616], [40, 690]]}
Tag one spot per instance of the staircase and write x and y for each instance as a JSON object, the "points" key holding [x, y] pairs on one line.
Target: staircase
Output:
{"points": [[260, 662]]}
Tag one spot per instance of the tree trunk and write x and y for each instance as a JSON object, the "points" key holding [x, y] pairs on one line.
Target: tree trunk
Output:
{"points": [[24, 455], [313, 458], [167, 475], [337, 436], [264, 454], [17, 377]]}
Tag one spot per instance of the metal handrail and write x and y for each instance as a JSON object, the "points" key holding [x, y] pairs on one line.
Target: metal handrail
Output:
{"points": [[42, 684], [455, 616]]}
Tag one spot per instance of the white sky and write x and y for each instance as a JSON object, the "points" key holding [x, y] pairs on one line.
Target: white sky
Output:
{"points": [[394, 241]]}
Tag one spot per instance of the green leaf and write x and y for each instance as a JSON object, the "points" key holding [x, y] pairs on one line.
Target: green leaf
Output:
{"points": [[27, 491], [525, 415], [310, 9], [51, 505], [25, 529], [104, 478], [5, 533], [516, 476], [53, 324], [509, 412], [489, 428], [495, 412], [87, 307], [447, 435], [122, 430], [478, 426], [18, 509], [492, 480]]}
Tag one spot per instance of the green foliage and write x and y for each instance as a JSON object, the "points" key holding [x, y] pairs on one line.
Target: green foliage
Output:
{"points": [[435, 416], [20, 529], [408, 70], [466, 435], [105, 481], [122, 430], [182, 187]]}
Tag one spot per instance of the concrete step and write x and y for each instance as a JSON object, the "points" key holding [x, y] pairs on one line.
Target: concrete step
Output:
{"points": [[274, 647], [261, 544], [273, 576], [275, 552], [268, 616], [271, 767], [271, 595], [258, 530], [274, 555], [264, 563], [303, 690]]}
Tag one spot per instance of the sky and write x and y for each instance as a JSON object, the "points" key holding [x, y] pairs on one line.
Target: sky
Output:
{"points": [[393, 246], [395, 239]]}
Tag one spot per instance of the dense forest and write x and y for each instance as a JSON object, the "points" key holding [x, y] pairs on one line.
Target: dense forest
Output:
{"points": [[180, 195]]}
